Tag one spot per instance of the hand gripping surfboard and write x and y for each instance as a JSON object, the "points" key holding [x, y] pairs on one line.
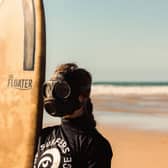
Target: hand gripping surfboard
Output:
{"points": [[22, 71]]}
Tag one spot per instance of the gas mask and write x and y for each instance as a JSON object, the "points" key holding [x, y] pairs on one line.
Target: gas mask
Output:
{"points": [[58, 99]]}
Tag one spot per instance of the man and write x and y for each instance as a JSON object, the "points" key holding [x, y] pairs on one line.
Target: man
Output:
{"points": [[75, 143]]}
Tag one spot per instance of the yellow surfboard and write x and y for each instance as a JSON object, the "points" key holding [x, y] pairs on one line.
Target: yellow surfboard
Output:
{"points": [[22, 69]]}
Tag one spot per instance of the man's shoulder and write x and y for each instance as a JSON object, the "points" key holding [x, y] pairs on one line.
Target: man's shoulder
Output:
{"points": [[96, 135], [100, 142]]}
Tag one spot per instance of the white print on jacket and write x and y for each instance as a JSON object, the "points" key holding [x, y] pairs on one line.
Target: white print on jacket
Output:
{"points": [[51, 158], [54, 153]]}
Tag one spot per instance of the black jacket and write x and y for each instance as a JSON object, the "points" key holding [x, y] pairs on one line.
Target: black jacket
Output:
{"points": [[72, 145]]}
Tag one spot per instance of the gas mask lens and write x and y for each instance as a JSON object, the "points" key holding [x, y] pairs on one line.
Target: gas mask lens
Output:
{"points": [[56, 89]]}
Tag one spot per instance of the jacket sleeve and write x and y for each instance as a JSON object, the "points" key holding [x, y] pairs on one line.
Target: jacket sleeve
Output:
{"points": [[100, 154]]}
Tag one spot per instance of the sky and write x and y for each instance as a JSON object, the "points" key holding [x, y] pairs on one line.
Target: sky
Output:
{"points": [[116, 40]]}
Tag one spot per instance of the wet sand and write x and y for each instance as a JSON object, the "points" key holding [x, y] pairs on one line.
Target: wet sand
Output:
{"points": [[134, 103], [136, 148]]}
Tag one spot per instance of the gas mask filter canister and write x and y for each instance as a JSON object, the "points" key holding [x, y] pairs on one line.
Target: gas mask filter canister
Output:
{"points": [[56, 95]]}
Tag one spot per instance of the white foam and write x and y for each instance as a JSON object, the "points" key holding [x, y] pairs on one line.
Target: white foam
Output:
{"points": [[133, 120], [123, 90]]}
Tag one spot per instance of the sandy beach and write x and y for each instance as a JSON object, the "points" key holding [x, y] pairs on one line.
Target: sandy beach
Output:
{"points": [[136, 149]]}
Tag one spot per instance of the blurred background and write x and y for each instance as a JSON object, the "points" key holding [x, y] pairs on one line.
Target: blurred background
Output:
{"points": [[124, 46]]}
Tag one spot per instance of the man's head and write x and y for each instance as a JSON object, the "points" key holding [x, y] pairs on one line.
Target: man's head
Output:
{"points": [[67, 90]]}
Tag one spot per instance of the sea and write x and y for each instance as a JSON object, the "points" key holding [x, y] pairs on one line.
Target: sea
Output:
{"points": [[133, 105]]}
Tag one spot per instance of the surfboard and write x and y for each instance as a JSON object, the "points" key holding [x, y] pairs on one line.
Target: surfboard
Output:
{"points": [[22, 72]]}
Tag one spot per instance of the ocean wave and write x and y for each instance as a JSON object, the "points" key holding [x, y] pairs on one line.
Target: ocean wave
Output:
{"points": [[126, 90]]}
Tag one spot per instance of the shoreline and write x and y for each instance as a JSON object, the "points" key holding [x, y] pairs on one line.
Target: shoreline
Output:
{"points": [[131, 103]]}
